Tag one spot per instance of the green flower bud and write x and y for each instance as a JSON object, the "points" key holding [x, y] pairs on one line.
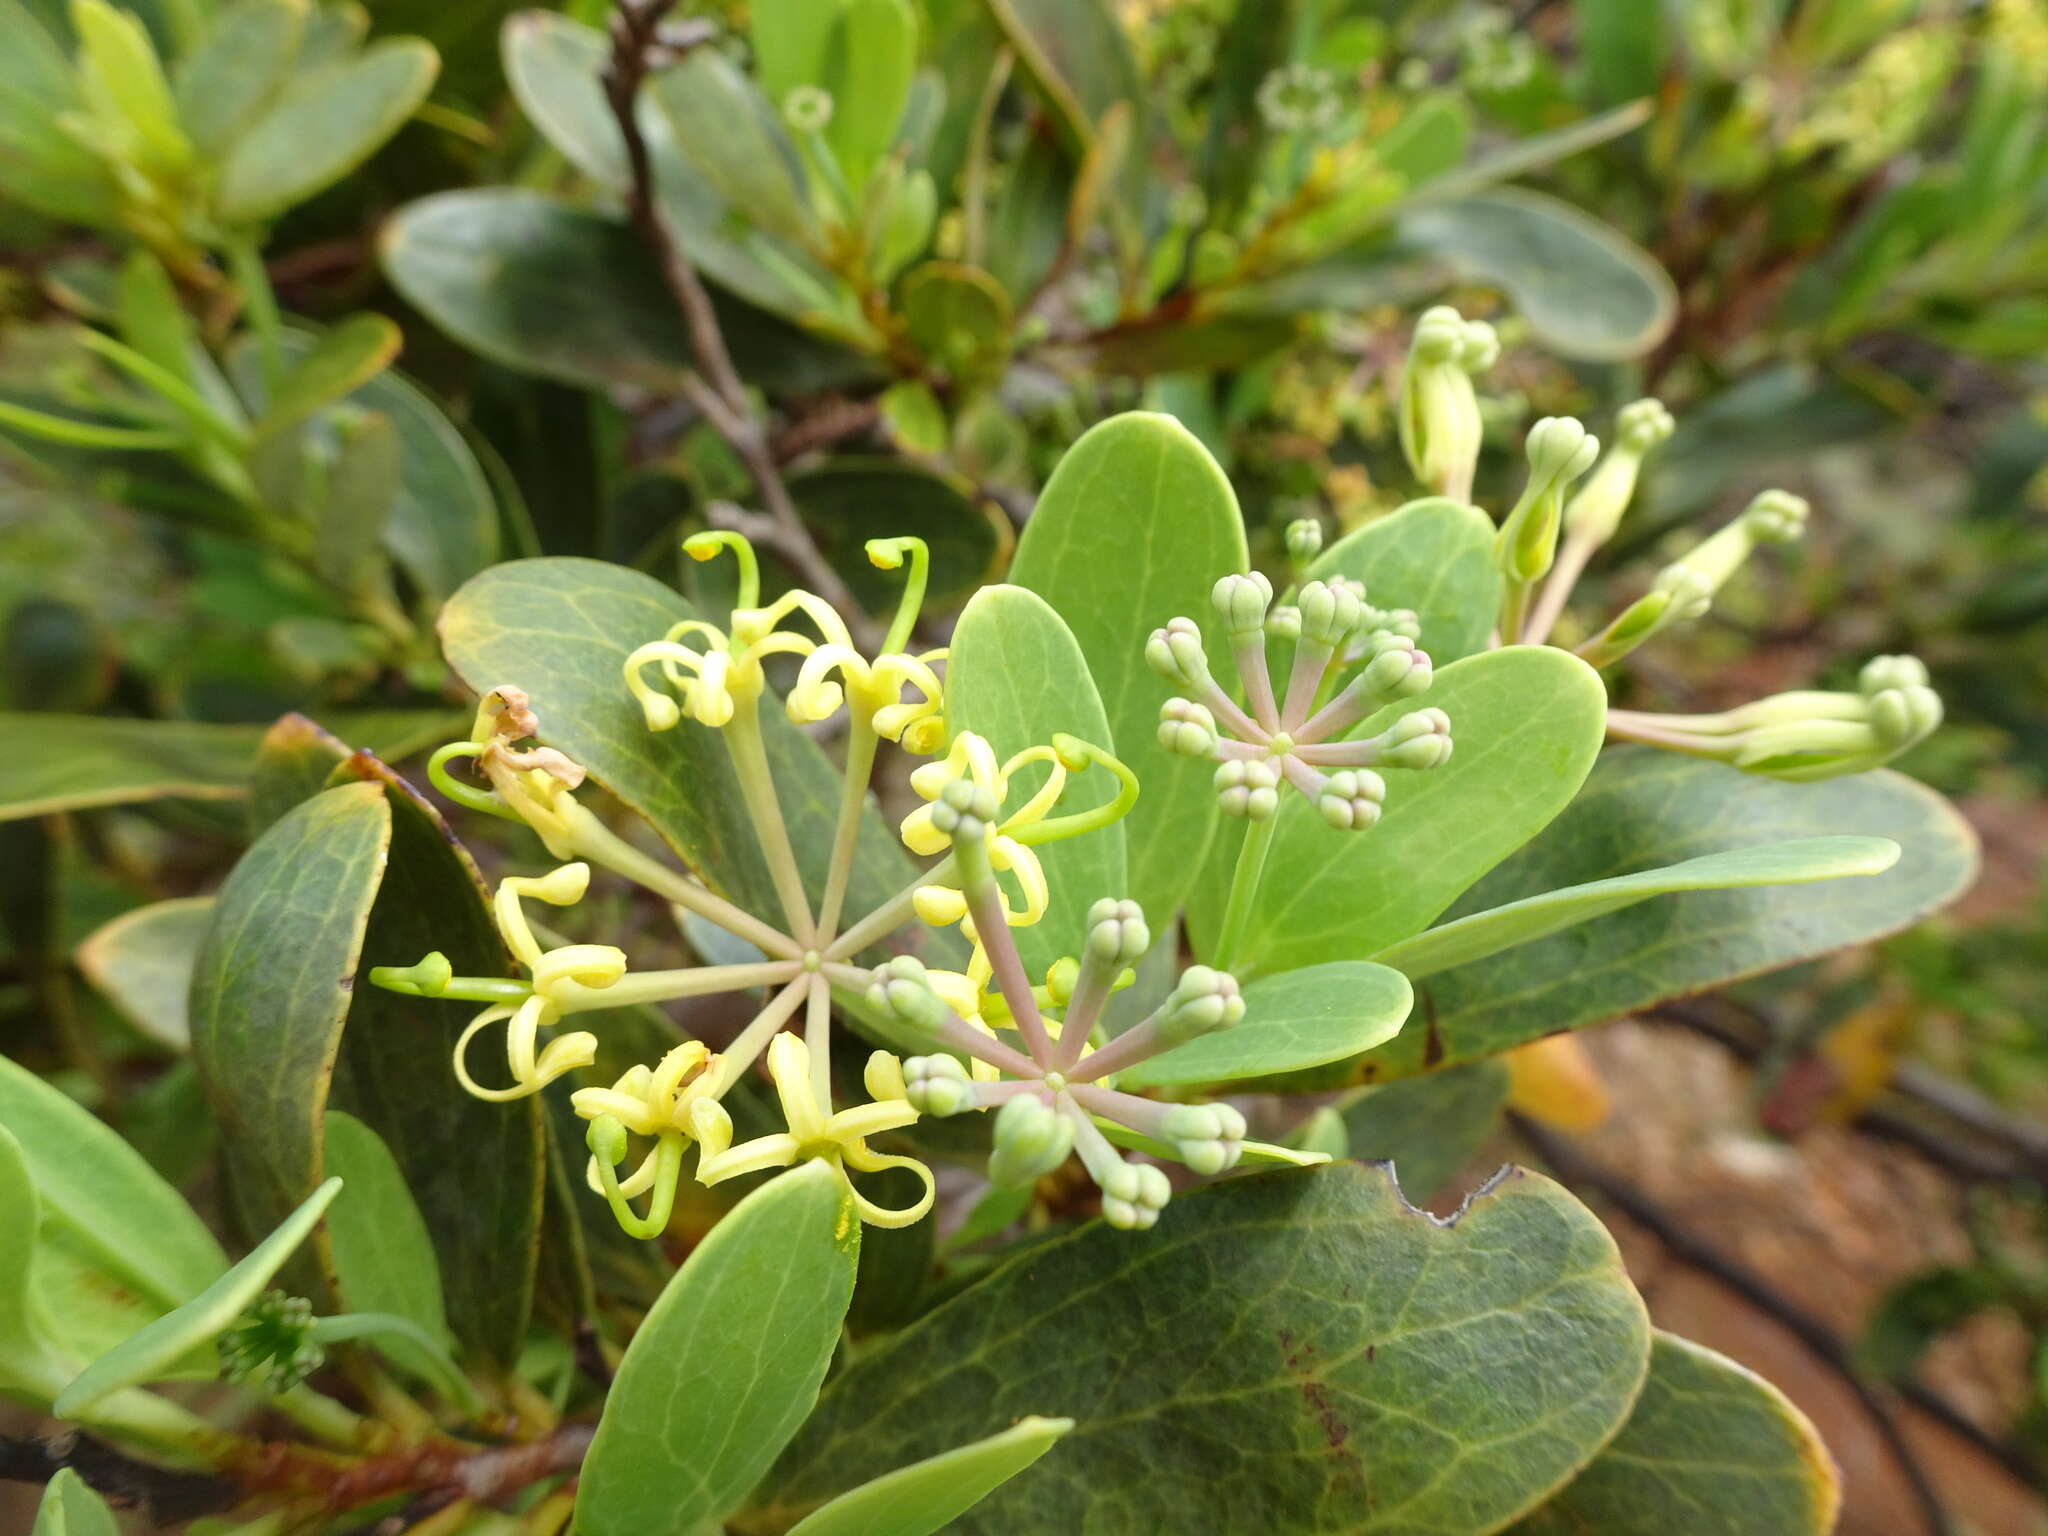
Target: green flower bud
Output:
{"points": [[271, 1344], [1903, 708], [1209, 1138], [1330, 615], [1283, 622], [937, 1085], [807, 108], [902, 990], [1249, 789], [1642, 424], [1775, 517], [1133, 1195], [1031, 1139], [1350, 799], [1187, 728], [1060, 978], [1439, 418], [964, 810], [429, 978], [1176, 654], [1117, 935], [1204, 1000], [606, 1139], [1560, 448], [1304, 540], [1420, 740], [1396, 668], [1596, 511], [1241, 601]]}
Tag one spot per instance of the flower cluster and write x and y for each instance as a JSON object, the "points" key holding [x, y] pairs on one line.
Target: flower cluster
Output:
{"points": [[1549, 536]]}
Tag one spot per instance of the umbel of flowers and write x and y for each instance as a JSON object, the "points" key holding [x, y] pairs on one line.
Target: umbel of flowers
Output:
{"points": [[1033, 1049]]}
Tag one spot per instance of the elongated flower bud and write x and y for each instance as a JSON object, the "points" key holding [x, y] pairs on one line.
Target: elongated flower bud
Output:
{"points": [[1596, 511], [1248, 789], [902, 990], [1186, 728], [1031, 1139], [1330, 615], [1175, 653], [1241, 601], [1203, 1001], [937, 1085], [1209, 1138], [1440, 424], [1350, 799]]}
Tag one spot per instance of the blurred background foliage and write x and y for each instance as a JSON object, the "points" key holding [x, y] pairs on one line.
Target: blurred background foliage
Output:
{"points": [[329, 307]]}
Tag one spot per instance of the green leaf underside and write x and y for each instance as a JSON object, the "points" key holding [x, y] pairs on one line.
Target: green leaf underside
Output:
{"points": [[70, 1508], [1429, 1127], [1527, 721], [73, 762], [1641, 806], [272, 987], [1287, 1352], [562, 629], [1711, 1449], [1796, 861], [104, 1196], [1015, 675], [1434, 556], [475, 1168], [149, 1354], [727, 1364], [921, 1498], [142, 962], [1133, 529], [1297, 1019]]}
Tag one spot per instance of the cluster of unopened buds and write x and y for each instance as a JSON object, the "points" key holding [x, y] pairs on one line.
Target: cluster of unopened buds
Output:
{"points": [[643, 1127], [1546, 540]]}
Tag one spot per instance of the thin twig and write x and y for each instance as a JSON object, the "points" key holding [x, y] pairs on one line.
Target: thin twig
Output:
{"points": [[1575, 1168], [714, 387], [161, 1494]]}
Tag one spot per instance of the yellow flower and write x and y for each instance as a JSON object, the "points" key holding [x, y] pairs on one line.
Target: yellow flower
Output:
{"points": [[652, 1102], [875, 692], [971, 757], [557, 976], [814, 1130]]}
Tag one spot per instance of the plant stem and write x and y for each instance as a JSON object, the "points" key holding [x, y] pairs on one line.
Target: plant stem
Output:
{"points": [[853, 794], [259, 302], [757, 787], [992, 927], [641, 987], [1244, 889], [600, 845], [890, 915], [1571, 564], [753, 1040], [818, 1036]]}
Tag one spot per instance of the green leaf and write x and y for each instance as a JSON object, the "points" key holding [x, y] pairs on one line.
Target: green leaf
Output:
{"points": [[1133, 528], [383, 1253], [1923, 1306], [327, 124], [736, 142], [41, 165], [32, 1365], [148, 1355], [111, 1205], [1644, 807], [1298, 1019], [119, 62], [959, 317], [141, 962], [1429, 1127], [475, 1168], [1622, 48], [1527, 721], [555, 67], [1434, 556], [71, 1508], [1584, 289], [1711, 1449], [873, 56], [361, 491], [272, 987], [294, 762], [792, 41], [1797, 861], [921, 1498], [342, 359], [246, 58], [547, 289], [847, 501], [75, 762], [1015, 676], [1077, 54], [562, 629], [727, 1365], [1285, 1353]]}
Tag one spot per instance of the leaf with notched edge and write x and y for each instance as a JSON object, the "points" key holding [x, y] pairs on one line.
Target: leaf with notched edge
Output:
{"points": [[1284, 1353]]}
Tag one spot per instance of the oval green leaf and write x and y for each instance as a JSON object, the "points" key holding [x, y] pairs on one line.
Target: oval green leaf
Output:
{"points": [[142, 963], [1797, 861], [1285, 1353], [1297, 1019], [70, 1508], [1710, 1448], [1644, 807], [1428, 1127], [1015, 675], [921, 1498], [1434, 556], [1134, 527], [245, 58], [727, 1364]]}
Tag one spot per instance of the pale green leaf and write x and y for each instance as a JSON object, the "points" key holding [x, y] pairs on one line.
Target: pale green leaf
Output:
{"points": [[735, 140], [342, 359], [1015, 676], [147, 1355], [71, 1508], [1712, 1449], [1292, 1021], [728, 1363], [246, 58], [327, 124], [919, 1499], [1434, 556], [1798, 861], [1527, 721], [1132, 530], [873, 56], [1291, 1353], [141, 962]]}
